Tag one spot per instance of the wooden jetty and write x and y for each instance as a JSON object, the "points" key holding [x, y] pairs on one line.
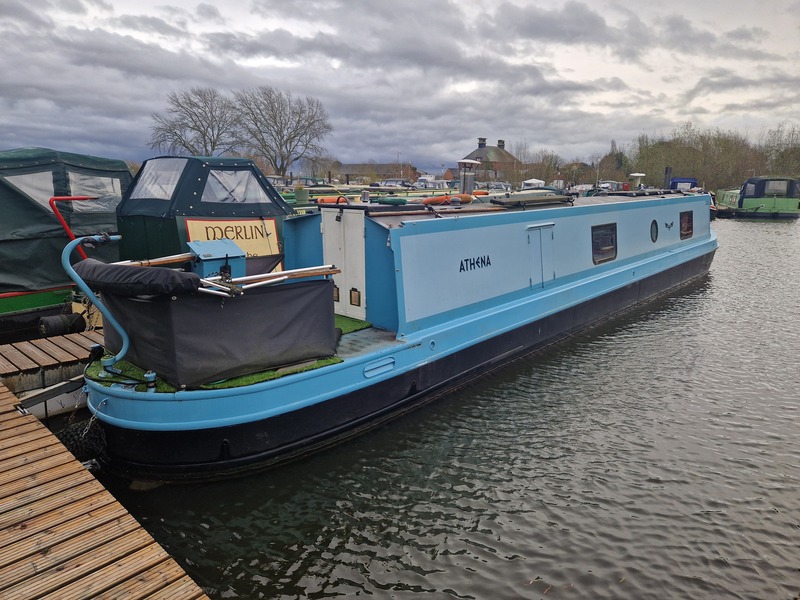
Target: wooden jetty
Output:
{"points": [[62, 534], [37, 364]]}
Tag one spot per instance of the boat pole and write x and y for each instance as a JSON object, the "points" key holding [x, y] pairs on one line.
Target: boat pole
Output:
{"points": [[107, 316]]}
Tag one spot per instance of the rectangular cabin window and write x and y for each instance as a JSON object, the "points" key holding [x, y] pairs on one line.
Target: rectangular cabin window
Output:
{"points": [[687, 224], [604, 243], [776, 187]]}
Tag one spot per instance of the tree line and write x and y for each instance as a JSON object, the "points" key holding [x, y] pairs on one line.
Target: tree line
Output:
{"points": [[717, 158], [278, 130]]}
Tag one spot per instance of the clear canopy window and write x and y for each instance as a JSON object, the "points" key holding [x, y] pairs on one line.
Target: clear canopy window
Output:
{"points": [[234, 187], [159, 178], [776, 187], [107, 190], [38, 186]]}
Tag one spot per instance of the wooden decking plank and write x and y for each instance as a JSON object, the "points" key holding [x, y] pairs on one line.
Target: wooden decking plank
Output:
{"points": [[51, 556], [85, 340], [13, 462], [145, 583], [67, 345], [110, 513], [6, 366], [62, 535], [37, 355], [24, 444], [59, 354], [43, 490], [128, 568], [22, 427], [17, 358], [83, 573], [6, 396], [13, 420], [94, 335], [183, 589], [46, 506], [8, 403], [35, 474], [42, 523]]}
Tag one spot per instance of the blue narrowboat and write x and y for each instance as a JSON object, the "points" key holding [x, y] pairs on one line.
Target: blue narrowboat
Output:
{"points": [[213, 369]]}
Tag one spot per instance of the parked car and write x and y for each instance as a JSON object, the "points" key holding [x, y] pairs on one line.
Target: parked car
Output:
{"points": [[396, 183]]}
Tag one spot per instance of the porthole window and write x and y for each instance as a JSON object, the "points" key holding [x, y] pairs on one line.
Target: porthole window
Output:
{"points": [[654, 231], [604, 243]]}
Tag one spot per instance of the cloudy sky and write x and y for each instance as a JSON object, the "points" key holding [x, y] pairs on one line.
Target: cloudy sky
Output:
{"points": [[418, 80]]}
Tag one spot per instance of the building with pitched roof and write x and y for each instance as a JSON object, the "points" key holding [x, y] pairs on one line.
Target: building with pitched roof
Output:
{"points": [[495, 160]]}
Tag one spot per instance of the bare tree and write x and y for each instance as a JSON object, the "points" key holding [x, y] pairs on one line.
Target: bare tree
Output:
{"points": [[281, 128], [547, 165], [198, 121]]}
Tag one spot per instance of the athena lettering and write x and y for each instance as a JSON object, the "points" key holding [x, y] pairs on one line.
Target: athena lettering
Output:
{"points": [[479, 262]]}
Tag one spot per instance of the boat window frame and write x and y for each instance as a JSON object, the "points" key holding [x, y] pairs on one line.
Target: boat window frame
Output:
{"points": [[686, 224], [159, 179], [771, 188], [607, 252], [233, 186]]}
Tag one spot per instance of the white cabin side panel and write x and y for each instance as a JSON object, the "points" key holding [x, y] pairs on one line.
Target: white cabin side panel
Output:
{"points": [[450, 269]]}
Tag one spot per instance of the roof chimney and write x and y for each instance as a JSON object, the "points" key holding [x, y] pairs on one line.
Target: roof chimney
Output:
{"points": [[481, 142], [501, 144]]}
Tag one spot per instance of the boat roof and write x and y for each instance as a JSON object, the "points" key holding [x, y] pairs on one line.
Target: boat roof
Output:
{"points": [[20, 159], [29, 177], [391, 216], [777, 186], [219, 186]]}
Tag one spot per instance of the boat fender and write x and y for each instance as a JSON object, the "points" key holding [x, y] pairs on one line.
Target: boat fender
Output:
{"points": [[61, 324]]}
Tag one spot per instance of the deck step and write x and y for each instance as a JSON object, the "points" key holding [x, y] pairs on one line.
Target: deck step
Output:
{"points": [[37, 364]]}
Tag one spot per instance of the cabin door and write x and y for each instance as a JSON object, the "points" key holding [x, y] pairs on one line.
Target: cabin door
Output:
{"points": [[540, 243], [343, 246]]}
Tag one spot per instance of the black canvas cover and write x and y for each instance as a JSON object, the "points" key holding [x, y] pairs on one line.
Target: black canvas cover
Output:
{"points": [[128, 280], [195, 339], [31, 237]]}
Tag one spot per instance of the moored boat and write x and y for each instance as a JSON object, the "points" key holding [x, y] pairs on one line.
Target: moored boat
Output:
{"points": [[761, 198], [203, 377], [34, 290]]}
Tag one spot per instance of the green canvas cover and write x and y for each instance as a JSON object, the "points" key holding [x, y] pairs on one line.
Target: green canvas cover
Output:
{"points": [[31, 237], [168, 190]]}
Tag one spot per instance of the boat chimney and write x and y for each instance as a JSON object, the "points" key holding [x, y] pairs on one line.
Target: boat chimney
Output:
{"points": [[466, 169], [481, 142], [637, 179]]}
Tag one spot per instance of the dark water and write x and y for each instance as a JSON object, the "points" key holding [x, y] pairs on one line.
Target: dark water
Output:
{"points": [[657, 456]]}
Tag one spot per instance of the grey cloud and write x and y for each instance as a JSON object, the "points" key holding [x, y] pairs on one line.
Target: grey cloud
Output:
{"points": [[151, 25], [419, 78]]}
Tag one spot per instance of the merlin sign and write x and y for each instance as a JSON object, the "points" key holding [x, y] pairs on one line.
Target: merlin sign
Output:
{"points": [[257, 237]]}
